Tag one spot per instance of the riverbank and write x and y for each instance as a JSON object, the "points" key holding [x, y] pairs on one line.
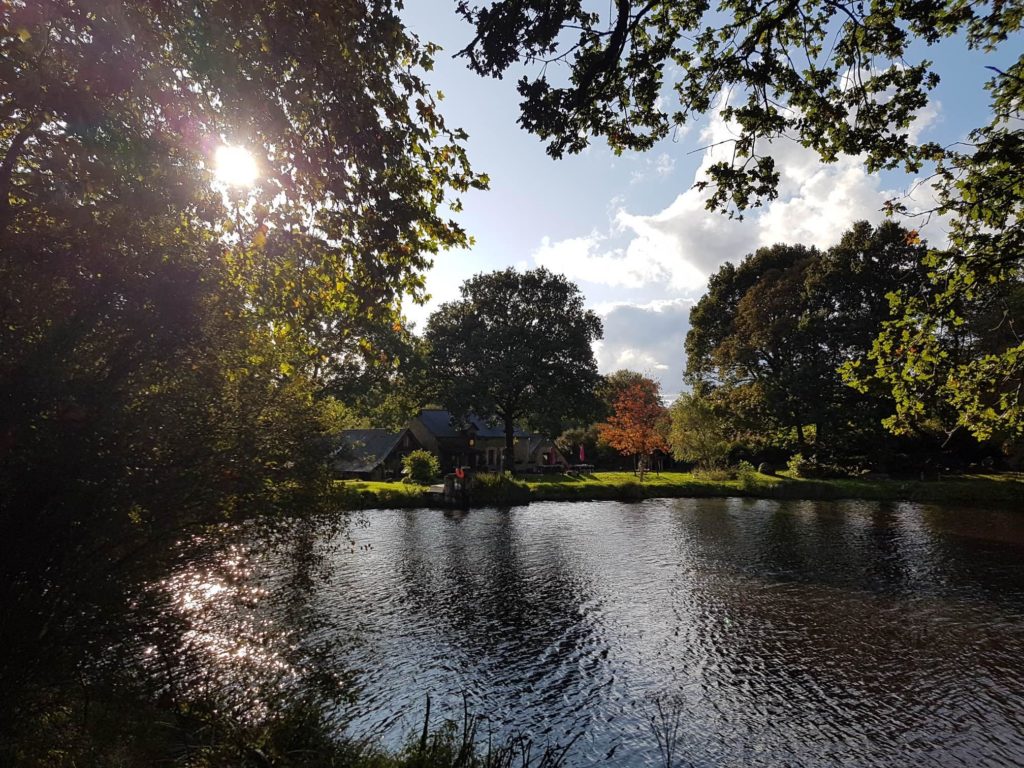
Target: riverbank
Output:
{"points": [[1003, 491]]}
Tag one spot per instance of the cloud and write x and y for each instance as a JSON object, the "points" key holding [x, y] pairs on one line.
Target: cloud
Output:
{"points": [[679, 246], [660, 166], [647, 338], [590, 258]]}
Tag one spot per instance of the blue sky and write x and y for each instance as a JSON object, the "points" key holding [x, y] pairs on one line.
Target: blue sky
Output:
{"points": [[630, 230]]}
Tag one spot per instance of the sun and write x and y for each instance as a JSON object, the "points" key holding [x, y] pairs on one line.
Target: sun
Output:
{"points": [[235, 166]]}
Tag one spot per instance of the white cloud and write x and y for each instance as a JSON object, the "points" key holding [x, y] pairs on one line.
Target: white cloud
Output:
{"points": [[589, 259], [679, 246], [647, 338]]}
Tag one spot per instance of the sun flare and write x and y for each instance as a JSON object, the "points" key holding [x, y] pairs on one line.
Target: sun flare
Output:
{"points": [[235, 166]]}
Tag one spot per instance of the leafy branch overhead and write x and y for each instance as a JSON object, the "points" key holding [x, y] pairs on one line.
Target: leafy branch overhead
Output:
{"points": [[841, 78], [167, 342]]}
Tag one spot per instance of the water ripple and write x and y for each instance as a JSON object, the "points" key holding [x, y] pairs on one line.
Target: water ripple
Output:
{"points": [[769, 633]]}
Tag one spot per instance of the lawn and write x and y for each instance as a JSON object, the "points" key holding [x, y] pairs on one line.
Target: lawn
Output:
{"points": [[1003, 490]]}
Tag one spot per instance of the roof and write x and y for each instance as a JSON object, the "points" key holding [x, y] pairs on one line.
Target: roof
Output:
{"points": [[362, 450], [439, 423]]}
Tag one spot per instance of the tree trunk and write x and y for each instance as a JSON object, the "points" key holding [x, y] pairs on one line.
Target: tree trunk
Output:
{"points": [[510, 451]]}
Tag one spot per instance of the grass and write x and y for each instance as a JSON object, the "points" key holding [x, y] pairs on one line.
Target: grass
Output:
{"points": [[369, 494], [1003, 490]]}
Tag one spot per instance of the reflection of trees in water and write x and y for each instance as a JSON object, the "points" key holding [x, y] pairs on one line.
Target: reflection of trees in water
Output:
{"points": [[819, 625], [502, 606]]}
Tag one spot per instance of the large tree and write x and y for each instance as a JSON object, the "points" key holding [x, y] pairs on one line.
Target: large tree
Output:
{"points": [[165, 337], [516, 346], [771, 334], [129, 275], [842, 78]]}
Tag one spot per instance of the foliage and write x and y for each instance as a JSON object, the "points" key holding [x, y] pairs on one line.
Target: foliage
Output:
{"points": [[637, 425], [516, 347], [499, 489], [698, 432], [842, 78], [960, 369], [387, 398], [747, 475], [799, 466], [421, 467], [611, 387], [595, 450], [767, 340], [167, 341]]}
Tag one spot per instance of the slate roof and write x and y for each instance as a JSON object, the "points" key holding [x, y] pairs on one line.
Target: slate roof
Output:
{"points": [[362, 450], [439, 423]]}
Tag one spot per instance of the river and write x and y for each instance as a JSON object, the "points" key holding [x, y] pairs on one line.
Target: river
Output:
{"points": [[762, 632]]}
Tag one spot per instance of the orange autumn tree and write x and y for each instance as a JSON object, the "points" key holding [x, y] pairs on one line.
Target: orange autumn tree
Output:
{"points": [[637, 425]]}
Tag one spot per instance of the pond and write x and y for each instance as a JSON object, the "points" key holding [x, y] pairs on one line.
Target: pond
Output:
{"points": [[767, 633]]}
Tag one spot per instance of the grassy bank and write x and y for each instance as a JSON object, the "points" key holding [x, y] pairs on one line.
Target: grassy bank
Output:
{"points": [[1002, 491]]}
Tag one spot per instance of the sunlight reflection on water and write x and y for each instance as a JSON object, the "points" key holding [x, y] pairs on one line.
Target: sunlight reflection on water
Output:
{"points": [[775, 633]]}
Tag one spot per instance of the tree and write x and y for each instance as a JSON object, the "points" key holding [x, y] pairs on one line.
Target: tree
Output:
{"points": [[165, 336], [637, 425], [612, 386], [842, 78], [388, 396], [517, 346], [130, 278], [698, 433], [776, 329]]}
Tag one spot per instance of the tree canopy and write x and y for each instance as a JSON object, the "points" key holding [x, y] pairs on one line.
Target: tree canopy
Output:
{"points": [[771, 334], [638, 424], [516, 346], [841, 78], [698, 432], [167, 338]]}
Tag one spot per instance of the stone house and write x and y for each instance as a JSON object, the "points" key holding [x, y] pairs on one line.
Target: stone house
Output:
{"points": [[479, 445]]}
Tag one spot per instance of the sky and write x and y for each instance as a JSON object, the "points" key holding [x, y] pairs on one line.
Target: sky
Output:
{"points": [[631, 231]]}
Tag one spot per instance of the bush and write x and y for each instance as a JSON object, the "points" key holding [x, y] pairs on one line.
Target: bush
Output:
{"points": [[421, 467], [500, 490], [747, 475], [811, 469]]}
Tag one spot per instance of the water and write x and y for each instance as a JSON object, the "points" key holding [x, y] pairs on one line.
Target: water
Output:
{"points": [[769, 633]]}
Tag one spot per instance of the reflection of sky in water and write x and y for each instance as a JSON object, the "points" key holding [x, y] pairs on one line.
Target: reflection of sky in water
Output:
{"points": [[791, 633]]}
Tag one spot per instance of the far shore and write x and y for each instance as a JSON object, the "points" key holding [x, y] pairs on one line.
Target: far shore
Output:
{"points": [[988, 491]]}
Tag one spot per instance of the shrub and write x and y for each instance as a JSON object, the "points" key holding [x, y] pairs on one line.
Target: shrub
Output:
{"points": [[747, 475], [500, 490], [809, 468], [421, 467]]}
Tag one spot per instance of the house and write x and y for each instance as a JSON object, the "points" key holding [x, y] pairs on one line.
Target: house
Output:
{"points": [[475, 443], [372, 454]]}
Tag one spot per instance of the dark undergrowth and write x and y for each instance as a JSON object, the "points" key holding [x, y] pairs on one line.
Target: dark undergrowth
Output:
{"points": [[118, 727]]}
